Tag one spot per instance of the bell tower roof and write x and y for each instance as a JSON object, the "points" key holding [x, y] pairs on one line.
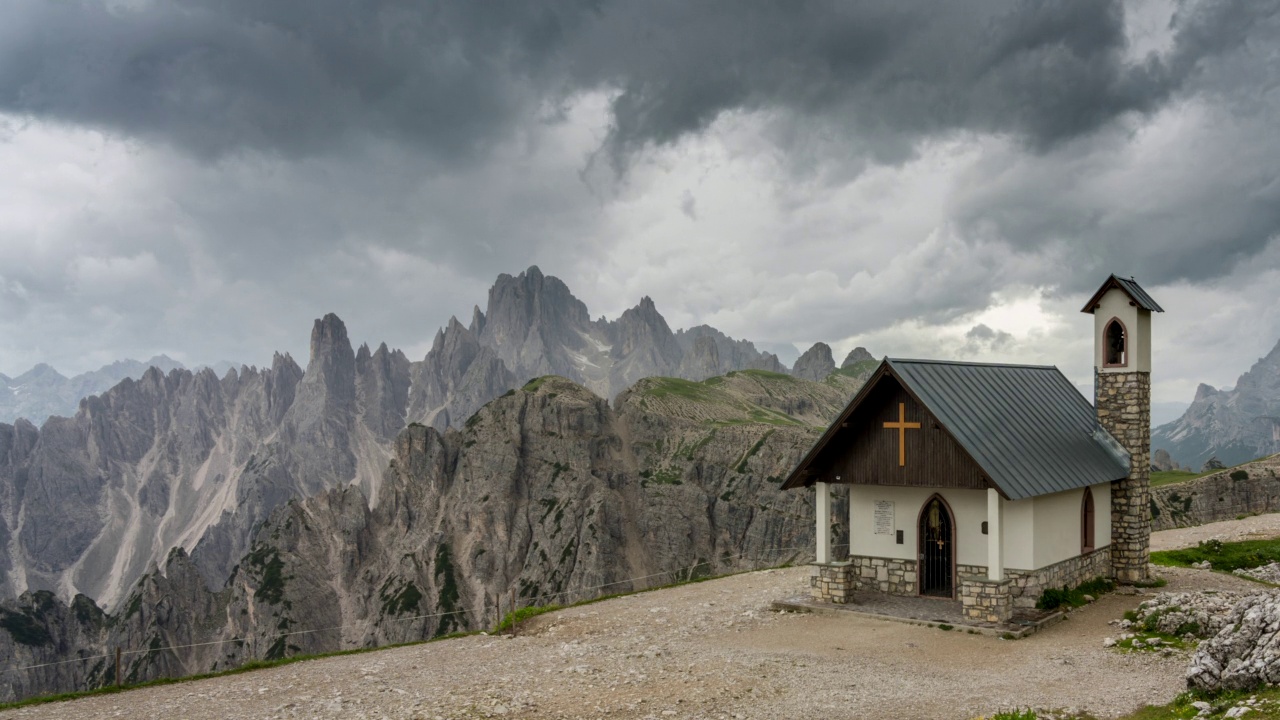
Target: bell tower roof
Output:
{"points": [[1137, 296]]}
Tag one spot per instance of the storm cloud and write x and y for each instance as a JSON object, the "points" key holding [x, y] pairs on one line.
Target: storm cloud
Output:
{"points": [[787, 171]]}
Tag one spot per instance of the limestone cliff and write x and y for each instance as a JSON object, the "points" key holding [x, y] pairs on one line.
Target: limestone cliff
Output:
{"points": [[548, 491]]}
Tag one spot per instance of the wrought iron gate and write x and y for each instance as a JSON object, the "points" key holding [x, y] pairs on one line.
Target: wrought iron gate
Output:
{"points": [[936, 550]]}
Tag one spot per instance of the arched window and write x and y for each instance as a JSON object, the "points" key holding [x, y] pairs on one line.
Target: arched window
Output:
{"points": [[1086, 523], [1115, 350]]}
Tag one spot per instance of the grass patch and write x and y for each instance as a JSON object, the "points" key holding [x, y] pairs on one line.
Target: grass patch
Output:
{"points": [[742, 464], [1054, 598], [1266, 705], [1027, 714], [858, 369], [661, 387], [1222, 556], [1169, 477], [762, 375]]}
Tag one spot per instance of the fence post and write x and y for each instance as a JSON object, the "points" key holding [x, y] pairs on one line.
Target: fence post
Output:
{"points": [[117, 666], [515, 628]]}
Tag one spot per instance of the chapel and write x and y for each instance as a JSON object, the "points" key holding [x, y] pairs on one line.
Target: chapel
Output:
{"points": [[990, 483]]}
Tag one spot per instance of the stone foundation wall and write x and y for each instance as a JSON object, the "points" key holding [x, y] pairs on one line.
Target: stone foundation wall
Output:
{"points": [[888, 575], [1124, 409], [986, 600], [1028, 585], [831, 582], [836, 582]]}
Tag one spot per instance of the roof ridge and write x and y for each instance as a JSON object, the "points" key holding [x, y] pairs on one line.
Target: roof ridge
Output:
{"points": [[926, 361]]}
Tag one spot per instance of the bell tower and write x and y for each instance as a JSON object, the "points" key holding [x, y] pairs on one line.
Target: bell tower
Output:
{"points": [[1121, 312]]}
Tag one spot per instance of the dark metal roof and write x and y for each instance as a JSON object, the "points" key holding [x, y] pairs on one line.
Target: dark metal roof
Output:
{"points": [[1026, 426], [1129, 287]]}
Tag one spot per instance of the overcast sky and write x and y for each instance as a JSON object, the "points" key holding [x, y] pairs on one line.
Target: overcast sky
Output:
{"points": [[204, 178]]}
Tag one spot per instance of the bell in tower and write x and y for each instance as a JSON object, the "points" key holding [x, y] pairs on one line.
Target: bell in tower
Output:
{"points": [[1121, 312]]}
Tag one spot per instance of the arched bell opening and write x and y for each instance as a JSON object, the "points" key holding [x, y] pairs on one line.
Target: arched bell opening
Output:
{"points": [[1116, 344]]}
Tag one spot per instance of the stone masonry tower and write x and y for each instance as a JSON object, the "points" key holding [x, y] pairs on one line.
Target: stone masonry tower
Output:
{"points": [[1122, 395]]}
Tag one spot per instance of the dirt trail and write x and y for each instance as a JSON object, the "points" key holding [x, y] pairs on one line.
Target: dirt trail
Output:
{"points": [[709, 650]]}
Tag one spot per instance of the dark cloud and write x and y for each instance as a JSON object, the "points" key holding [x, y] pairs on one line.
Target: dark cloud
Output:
{"points": [[295, 77], [299, 77], [386, 158]]}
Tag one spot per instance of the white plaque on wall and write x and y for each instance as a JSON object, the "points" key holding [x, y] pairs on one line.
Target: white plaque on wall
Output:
{"points": [[884, 517]]}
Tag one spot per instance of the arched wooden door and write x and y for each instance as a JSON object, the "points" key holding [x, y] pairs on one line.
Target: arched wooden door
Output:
{"points": [[937, 560]]}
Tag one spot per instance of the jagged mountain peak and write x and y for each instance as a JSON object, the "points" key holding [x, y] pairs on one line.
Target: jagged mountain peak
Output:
{"points": [[816, 363], [857, 355], [329, 335]]}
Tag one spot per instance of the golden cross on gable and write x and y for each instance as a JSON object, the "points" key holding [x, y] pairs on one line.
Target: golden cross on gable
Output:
{"points": [[902, 426]]}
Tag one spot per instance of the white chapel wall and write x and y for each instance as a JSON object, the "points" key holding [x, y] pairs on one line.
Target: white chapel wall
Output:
{"points": [[1057, 524], [968, 506], [1019, 534]]}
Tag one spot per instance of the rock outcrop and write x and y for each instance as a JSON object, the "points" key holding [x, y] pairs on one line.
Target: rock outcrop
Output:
{"points": [[815, 364], [857, 355], [548, 491], [1245, 653], [1235, 425]]}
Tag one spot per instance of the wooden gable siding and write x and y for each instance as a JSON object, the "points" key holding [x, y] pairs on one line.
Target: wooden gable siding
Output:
{"points": [[865, 452]]}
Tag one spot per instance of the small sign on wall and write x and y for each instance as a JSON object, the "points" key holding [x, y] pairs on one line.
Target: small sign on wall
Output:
{"points": [[884, 517]]}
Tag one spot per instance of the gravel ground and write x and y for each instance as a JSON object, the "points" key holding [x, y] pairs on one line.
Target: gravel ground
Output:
{"points": [[709, 650]]}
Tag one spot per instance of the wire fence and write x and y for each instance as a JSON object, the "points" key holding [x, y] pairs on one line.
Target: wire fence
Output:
{"points": [[772, 557]]}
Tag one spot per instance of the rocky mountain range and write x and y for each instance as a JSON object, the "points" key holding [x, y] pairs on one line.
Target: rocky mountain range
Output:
{"points": [[197, 461], [43, 391], [1235, 425], [547, 491]]}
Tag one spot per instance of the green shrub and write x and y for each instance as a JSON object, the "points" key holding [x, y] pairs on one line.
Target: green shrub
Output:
{"points": [[1054, 598], [1027, 714]]}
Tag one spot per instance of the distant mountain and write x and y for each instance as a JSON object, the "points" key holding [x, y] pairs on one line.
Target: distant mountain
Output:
{"points": [[1236, 425], [42, 391], [198, 460]]}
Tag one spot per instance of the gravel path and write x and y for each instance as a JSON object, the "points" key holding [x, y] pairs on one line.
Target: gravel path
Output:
{"points": [[1250, 528], [710, 650]]}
